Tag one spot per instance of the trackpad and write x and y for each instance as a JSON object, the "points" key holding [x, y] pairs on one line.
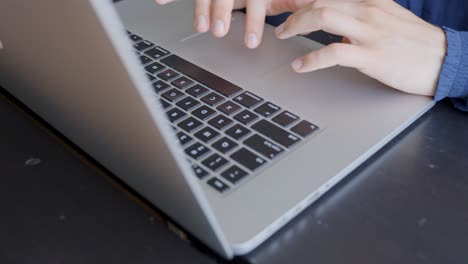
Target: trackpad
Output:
{"points": [[229, 54]]}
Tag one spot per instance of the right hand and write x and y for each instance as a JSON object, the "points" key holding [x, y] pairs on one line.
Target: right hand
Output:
{"points": [[215, 15]]}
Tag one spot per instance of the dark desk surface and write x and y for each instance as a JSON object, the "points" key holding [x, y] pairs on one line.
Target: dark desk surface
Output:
{"points": [[407, 204]]}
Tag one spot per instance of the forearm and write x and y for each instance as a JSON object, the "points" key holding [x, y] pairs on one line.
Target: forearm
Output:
{"points": [[453, 81]]}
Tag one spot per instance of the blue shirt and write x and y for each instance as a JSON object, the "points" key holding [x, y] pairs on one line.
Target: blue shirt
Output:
{"points": [[452, 16]]}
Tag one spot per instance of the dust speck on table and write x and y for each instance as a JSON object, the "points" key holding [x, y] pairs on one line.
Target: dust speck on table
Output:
{"points": [[32, 161]]}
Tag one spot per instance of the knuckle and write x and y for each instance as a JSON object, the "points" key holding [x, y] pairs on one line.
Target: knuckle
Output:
{"points": [[325, 14]]}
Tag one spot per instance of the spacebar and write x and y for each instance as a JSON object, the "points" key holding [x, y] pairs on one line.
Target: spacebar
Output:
{"points": [[202, 76]]}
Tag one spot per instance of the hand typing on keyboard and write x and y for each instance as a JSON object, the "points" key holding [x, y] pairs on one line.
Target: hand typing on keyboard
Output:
{"points": [[215, 15]]}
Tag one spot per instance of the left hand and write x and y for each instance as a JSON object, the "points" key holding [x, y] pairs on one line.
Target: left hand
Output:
{"points": [[383, 40]]}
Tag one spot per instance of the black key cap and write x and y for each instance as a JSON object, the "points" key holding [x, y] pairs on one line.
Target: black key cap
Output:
{"points": [[197, 150], [267, 109], [218, 185], [237, 132], [188, 103], [160, 86], [190, 124], [175, 114], [275, 133], [143, 45], [248, 159], [213, 99], [206, 134], [144, 59], [199, 172], [155, 53], [182, 82], [248, 99], [203, 112], [202, 76], [135, 38], [173, 95], [151, 77], [285, 119], [234, 174], [165, 104], [304, 128], [184, 139], [197, 90], [229, 108], [168, 75], [220, 122], [224, 145], [263, 146], [215, 162], [246, 117], [154, 67]]}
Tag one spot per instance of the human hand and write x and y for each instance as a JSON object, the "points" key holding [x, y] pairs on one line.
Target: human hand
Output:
{"points": [[216, 15], [382, 39]]}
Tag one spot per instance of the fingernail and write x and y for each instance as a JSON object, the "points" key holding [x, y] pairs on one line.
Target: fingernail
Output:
{"points": [[218, 28], [279, 30], [201, 23], [297, 65], [252, 40]]}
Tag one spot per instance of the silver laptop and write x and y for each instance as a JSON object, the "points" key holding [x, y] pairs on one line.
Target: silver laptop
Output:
{"points": [[229, 142]]}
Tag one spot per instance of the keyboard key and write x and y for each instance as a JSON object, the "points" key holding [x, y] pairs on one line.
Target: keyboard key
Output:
{"points": [[229, 108], [246, 117], [173, 95], [182, 82], [224, 145], [267, 109], [304, 128], [165, 104], [220, 122], [248, 159], [197, 90], [248, 99], [190, 124], [275, 133], [184, 139], [215, 162], [202, 76], [154, 68], [143, 45], [160, 86], [285, 119], [156, 53], [145, 60], [218, 185], [151, 77], [175, 114], [197, 150], [212, 99], [203, 112], [206, 134], [237, 132], [135, 38], [188, 103], [168, 75], [263, 146], [234, 174], [199, 171]]}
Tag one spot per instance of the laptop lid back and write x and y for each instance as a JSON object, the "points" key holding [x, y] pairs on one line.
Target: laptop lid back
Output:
{"points": [[71, 63]]}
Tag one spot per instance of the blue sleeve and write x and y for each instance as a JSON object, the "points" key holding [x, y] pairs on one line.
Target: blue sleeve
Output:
{"points": [[453, 80]]}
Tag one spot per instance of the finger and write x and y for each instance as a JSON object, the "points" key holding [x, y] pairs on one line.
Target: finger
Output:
{"points": [[334, 54], [255, 21], [202, 15], [328, 19], [282, 6], [221, 16]]}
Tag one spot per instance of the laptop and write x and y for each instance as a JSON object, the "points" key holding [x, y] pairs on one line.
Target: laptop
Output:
{"points": [[229, 142]]}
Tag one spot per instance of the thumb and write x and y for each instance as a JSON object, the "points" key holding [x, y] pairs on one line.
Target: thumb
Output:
{"points": [[281, 6]]}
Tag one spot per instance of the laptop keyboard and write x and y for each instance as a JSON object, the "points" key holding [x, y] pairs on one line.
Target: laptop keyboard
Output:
{"points": [[228, 133]]}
